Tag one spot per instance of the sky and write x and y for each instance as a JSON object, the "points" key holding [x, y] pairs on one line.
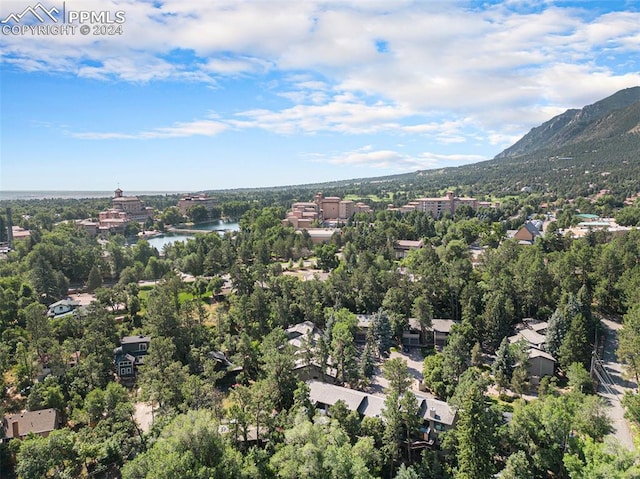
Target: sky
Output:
{"points": [[203, 95]]}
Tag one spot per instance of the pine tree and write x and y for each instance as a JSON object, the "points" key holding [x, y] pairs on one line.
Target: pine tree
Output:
{"points": [[556, 331], [94, 281], [502, 368], [381, 331], [575, 347], [475, 433], [367, 363]]}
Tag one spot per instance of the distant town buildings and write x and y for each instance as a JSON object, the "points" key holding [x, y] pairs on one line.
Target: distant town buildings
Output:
{"points": [[189, 201], [324, 210]]}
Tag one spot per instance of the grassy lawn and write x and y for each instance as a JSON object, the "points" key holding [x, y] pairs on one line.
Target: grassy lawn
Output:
{"points": [[389, 197], [183, 296]]}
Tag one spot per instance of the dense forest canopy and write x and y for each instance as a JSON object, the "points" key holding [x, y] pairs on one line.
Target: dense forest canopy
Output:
{"points": [[238, 323], [249, 286]]}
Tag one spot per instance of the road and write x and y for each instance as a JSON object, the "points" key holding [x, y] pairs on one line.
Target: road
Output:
{"points": [[621, 430]]}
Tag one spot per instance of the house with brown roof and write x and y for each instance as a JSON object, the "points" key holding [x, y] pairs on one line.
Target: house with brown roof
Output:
{"points": [[41, 423], [527, 233]]}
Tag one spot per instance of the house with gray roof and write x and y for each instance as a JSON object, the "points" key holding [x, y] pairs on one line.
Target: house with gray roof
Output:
{"points": [[130, 355], [62, 308], [441, 328], [436, 416]]}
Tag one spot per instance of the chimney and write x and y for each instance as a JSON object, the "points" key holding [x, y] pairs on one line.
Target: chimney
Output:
{"points": [[432, 412], [15, 429]]}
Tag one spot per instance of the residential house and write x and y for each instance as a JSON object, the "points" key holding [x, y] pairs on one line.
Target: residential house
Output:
{"points": [[436, 416], [530, 337], [402, 247], [298, 332], [414, 335], [362, 329], [223, 364], [323, 396], [540, 364], [62, 307], [130, 355], [441, 328], [312, 371], [536, 325], [304, 369], [41, 423], [528, 233]]}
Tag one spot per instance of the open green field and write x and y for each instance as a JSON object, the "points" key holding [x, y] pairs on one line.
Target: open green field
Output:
{"points": [[388, 197]]}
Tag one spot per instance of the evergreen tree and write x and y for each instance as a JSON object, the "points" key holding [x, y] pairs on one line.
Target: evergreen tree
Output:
{"points": [[575, 347], [520, 377], [94, 281], [476, 436], [557, 328], [502, 367], [517, 467], [367, 362], [381, 332], [629, 346]]}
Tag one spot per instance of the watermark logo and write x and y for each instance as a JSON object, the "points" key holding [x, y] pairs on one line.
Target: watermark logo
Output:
{"points": [[37, 20], [38, 11]]}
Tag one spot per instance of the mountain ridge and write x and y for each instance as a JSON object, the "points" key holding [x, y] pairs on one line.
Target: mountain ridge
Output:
{"points": [[615, 115]]}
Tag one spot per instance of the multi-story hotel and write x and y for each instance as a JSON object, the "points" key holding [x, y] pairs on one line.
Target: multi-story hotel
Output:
{"points": [[124, 210], [440, 205], [322, 210], [188, 201]]}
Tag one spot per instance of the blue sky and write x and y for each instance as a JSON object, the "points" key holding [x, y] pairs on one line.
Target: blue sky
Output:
{"points": [[197, 95]]}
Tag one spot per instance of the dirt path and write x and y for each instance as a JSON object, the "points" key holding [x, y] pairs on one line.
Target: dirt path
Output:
{"points": [[143, 415], [621, 430]]}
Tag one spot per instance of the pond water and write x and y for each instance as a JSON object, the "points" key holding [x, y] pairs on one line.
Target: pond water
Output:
{"points": [[220, 226]]}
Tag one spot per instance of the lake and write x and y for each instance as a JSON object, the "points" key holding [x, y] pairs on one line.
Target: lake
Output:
{"points": [[220, 226]]}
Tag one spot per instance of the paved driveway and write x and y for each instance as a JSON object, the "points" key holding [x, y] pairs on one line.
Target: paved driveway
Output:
{"points": [[414, 361], [621, 430]]}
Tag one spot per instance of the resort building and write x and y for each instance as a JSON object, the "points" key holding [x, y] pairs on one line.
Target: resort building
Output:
{"points": [[189, 201], [322, 210], [125, 209], [438, 206]]}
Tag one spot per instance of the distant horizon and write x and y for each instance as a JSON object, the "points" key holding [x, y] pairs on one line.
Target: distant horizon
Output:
{"points": [[224, 95]]}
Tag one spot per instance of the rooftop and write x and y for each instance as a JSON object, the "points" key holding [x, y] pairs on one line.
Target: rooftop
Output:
{"points": [[135, 339], [37, 422]]}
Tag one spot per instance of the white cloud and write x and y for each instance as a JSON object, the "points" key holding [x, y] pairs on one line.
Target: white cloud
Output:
{"points": [[446, 69], [369, 157], [178, 130]]}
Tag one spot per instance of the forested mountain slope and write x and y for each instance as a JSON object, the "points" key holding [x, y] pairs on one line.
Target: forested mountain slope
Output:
{"points": [[577, 153], [615, 116]]}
